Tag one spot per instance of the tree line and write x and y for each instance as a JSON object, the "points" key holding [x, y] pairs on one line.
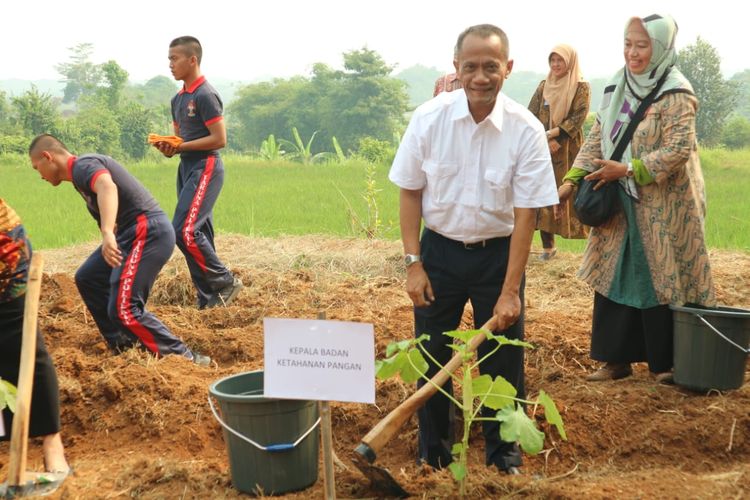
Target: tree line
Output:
{"points": [[329, 114]]}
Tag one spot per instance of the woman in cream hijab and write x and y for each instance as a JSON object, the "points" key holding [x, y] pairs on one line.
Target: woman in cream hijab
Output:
{"points": [[561, 103]]}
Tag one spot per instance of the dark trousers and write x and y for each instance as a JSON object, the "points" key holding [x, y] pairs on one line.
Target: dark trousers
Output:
{"points": [[458, 274], [199, 182], [624, 334], [45, 402], [116, 297]]}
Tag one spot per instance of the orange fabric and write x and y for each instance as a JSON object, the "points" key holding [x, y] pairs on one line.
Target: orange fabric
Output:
{"points": [[172, 140]]}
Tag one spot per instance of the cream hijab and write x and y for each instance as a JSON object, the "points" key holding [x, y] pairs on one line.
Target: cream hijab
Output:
{"points": [[559, 92]]}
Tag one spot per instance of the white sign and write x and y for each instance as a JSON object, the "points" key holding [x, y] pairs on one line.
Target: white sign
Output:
{"points": [[319, 359]]}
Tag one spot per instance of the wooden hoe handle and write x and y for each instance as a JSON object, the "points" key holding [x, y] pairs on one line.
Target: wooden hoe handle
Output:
{"points": [[377, 438], [20, 432]]}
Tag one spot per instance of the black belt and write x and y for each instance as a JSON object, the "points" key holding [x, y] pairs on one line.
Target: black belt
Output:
{"points": [[470, 246]]}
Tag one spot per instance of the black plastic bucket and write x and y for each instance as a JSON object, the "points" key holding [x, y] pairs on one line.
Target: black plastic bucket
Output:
{"points": [[710, 347], [271, 444]]}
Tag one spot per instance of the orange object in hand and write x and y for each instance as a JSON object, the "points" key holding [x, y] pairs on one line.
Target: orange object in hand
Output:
{"points": [[172, 140]]}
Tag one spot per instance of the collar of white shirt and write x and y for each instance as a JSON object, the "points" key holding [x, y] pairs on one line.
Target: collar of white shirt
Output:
{"points": [[460, 109]]}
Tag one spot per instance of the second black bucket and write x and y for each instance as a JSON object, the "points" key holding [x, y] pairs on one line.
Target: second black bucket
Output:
{"points": [[710, 347], [272, 443]]}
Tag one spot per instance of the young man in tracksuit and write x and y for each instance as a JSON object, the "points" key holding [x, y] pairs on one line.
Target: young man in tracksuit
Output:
{"points": [[197, 119], [137, 240]]}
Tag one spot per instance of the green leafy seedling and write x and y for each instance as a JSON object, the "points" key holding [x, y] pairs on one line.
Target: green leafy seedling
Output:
{"points": [[406, 358]]}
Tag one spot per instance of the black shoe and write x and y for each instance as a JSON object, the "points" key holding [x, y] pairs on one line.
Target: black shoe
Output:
{"points": [[201, 359], [226, 295]]}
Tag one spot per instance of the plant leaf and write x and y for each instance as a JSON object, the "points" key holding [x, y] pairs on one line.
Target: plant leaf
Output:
{"points": [[457, 449], [7, 395], [503, 340], [464, 335], [458, 470], [481, 385], [551, 413], [515, 425], [397, 346], [501, 394], [409, 373], [389, 367]]}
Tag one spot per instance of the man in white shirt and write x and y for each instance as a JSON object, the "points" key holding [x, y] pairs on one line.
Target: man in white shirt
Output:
{"points": [[474, 165]]}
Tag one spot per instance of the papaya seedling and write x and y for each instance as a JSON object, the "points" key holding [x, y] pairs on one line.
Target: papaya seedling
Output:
{"points": [[406, 359]]}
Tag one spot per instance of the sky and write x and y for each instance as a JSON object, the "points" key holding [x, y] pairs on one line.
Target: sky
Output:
{"points": [[250, 40]]}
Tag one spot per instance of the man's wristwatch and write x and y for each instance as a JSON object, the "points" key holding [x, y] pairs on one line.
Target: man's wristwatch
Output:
{"points": [[629, 171], [410, 259]]}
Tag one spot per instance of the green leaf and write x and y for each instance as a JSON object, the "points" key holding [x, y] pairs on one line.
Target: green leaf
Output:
{"points": [[465, 335], [409, 373], [397, 346], [457, 449], [481, 385], [551, 413], [515, 425], [390, 366], [7, 395], [458, 470], [501, 393], [503, 340]]}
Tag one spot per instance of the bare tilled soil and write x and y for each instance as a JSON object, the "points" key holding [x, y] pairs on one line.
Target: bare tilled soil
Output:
{"points": [[140, 427]]}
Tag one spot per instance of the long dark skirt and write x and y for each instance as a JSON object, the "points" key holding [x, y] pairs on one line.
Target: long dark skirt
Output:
{"points": [[624, 334], [45, 402]]}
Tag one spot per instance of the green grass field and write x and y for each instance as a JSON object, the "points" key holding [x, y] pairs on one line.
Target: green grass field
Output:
{"points": [[264, 199]]}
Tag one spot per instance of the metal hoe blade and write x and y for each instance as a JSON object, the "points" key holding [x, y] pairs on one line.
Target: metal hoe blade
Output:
{"points": [[381, 480]]}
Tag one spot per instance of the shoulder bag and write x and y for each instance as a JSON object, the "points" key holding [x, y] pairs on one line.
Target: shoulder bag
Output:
{"points": [[595, 207]]}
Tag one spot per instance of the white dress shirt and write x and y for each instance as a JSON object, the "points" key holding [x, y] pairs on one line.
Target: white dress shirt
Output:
{"points": [[473, 174]]}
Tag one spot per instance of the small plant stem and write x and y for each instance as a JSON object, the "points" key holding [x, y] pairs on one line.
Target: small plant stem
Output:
{"points": [[468, 398], [440, 389], [436, 362], [493, 351]]}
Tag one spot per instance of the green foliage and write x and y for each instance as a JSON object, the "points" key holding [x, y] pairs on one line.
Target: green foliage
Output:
{"points": [[94, 129], [17, 144], [376, 151], [270, 149], [405, 359], [361, 101], [301, 151], [340, 156], [155, 93], [370, 225], [742, 80], [116, 78], [420, 83], [81, 76], [701, 64], [7, 396], [736, 133], [37, 112], [135, 124]]}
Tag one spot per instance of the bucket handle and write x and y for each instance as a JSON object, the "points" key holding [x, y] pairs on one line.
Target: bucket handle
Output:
{"points": [[270, 447], [717, 332]]}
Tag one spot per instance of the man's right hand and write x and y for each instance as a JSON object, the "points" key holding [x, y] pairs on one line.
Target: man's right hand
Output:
{"points": [[418, 286]]}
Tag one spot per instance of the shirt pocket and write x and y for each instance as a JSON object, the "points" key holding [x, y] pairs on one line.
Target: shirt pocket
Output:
{"points": [[442, 181], [496, 190]]}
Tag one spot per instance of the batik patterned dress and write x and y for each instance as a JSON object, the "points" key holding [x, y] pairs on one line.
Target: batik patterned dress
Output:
{"points": [[569, 226], [653, 252]]}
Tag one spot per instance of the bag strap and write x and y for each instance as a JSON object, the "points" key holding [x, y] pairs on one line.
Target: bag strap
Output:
{"points": [[639, 114]]}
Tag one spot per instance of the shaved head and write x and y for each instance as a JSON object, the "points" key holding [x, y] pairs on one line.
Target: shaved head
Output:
{"points": [[190, 45], [46, 142]]}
